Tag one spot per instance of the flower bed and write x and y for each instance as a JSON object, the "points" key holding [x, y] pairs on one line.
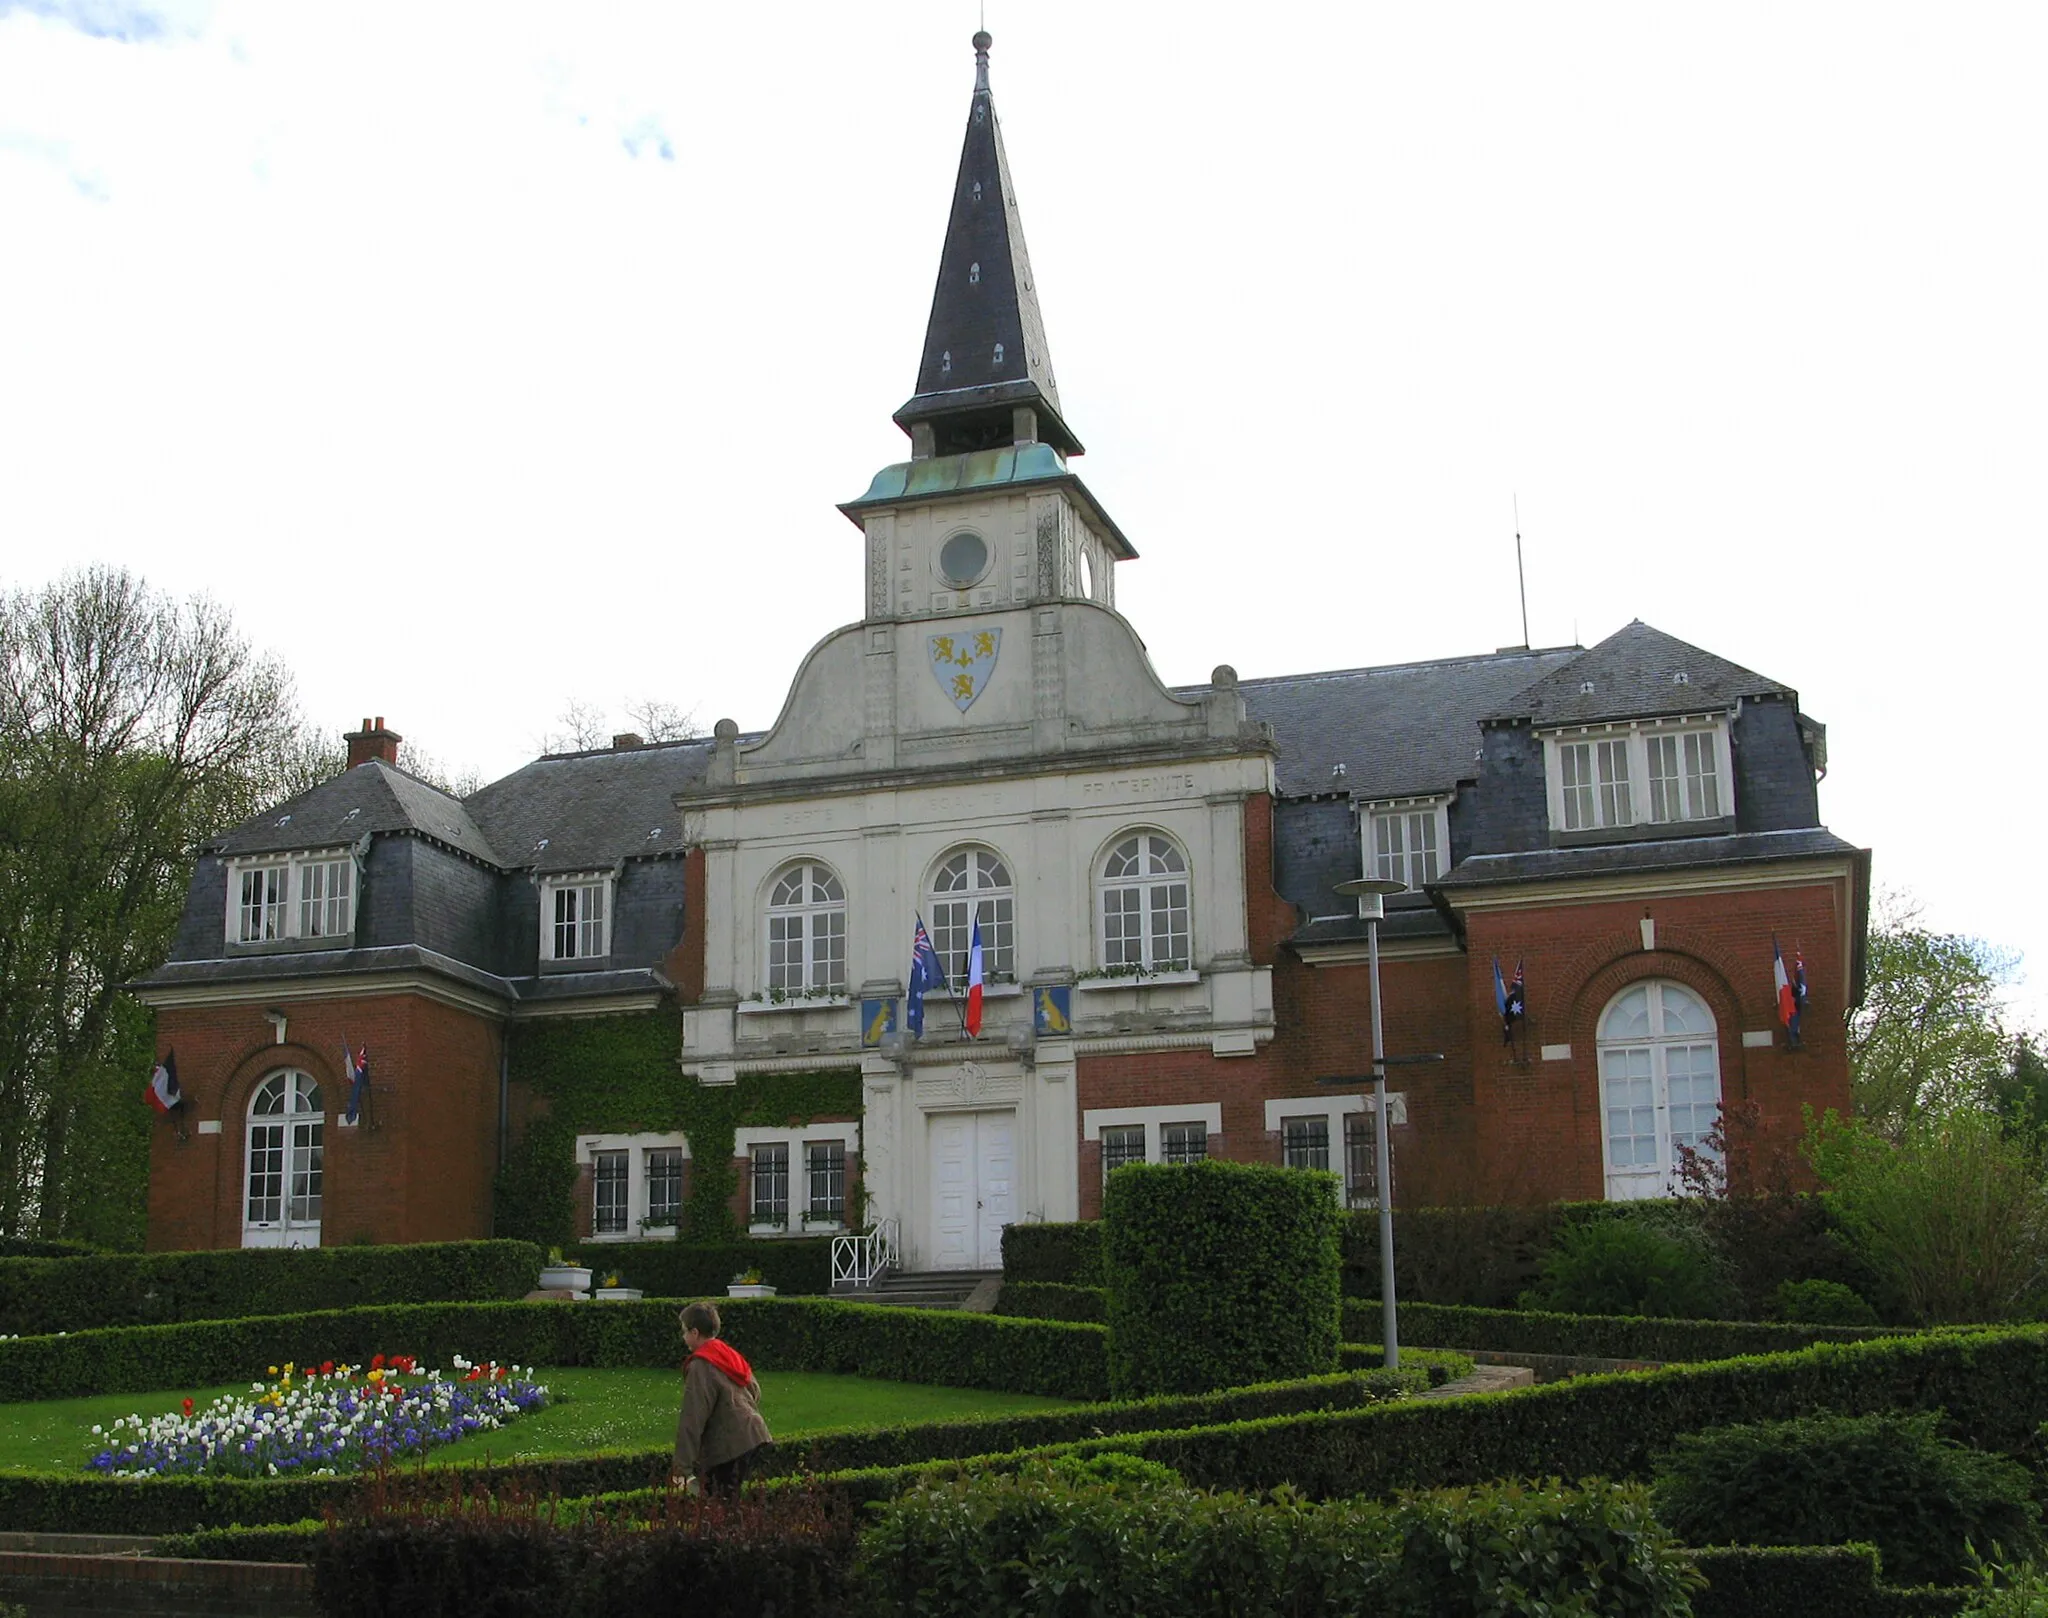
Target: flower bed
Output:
{"points": [[320, 1421]]}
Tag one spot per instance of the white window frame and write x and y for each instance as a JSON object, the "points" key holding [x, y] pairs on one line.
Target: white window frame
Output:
{"points": [[1334, 1110], [583, 925], [1209, 1114], [1659, 1178], [802, 1222], [1404, 811], [636, 1148], [1633, 739], [1152, 960], [811, 912], [995, 905], [301, 1124], [289, 903]]}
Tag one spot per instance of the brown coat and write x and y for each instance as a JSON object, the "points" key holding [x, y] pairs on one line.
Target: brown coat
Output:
{"points": [[721, 1421]]}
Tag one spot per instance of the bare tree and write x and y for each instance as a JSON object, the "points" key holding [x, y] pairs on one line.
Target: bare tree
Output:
{"points": [[131, 727], [661, 721], [583, 727]]}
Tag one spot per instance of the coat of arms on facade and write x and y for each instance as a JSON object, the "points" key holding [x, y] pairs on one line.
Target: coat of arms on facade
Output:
{"points": [[962, 663]]}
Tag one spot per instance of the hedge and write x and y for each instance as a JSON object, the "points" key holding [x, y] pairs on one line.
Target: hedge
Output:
{"points": [[811, 1334], [799, 1266], [1067, 1254], [1816, 1581], [32, 1247], [1219, 1274], [41, 1295], [1608, 1337], [1052, 1300]]}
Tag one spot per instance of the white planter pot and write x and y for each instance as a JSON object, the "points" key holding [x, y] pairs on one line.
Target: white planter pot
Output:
{"points": [[740, 1289], [555, 1277], [618, 1294]]}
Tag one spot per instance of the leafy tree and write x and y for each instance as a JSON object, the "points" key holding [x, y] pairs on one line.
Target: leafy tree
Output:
{"points": [[131, 727], [1927, 1036]]}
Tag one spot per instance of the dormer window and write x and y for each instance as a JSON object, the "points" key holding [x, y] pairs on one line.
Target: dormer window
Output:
{"points": [[1652, 772], [1407, 840], [575, 917], [278, 898]]}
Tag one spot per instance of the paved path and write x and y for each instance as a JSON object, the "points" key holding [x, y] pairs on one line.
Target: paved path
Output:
{"points": [[1485, 1379]]}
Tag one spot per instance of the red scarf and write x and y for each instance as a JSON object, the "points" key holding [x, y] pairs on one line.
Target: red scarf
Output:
{"points": [[727, 1358]]}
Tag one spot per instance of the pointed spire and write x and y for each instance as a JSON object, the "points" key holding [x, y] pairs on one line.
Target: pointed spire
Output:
{"points": [[985, 377]]}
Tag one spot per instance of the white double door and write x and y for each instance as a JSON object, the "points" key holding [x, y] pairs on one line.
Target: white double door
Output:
{"points": [[973, 1179]]}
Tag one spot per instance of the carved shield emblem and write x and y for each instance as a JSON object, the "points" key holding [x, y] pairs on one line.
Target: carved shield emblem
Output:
{"points": [[962, 663]]}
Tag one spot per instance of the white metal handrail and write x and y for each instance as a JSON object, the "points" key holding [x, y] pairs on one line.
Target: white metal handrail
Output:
{"points": [[858, 1260]]}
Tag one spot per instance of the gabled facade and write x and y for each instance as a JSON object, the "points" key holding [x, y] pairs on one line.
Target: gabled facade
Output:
{"points": [[985, 750]]}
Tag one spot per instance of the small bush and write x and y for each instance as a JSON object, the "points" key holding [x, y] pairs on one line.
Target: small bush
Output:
{"points": [[1821, 1303], [1618, 1268], [1219, 1274], [1887, 1479]]}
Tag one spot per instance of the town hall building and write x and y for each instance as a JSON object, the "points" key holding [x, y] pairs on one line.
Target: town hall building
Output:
{"points": [[984, 750]]}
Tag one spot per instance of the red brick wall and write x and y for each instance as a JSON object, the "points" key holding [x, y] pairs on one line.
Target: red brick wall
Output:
{"points": [[420, 1167], [686, 960]]}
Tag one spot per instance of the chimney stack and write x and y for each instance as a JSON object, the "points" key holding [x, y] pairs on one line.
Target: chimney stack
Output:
{"points": [[372, 741]]}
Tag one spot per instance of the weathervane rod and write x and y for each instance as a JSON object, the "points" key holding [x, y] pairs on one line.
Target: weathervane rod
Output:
{"points": [[1521, 583]]}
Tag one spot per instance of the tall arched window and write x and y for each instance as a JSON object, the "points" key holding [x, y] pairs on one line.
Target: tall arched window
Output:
{"points": [[282, 1205], [807, 931], [968, 884], [1660, 1084], [1144, 905]]}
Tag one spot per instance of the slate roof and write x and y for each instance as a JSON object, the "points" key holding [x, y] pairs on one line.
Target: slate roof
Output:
{"points": [[1404, 729], [593, 809], [405, 958], [1634, 674], [985, 294], [372, 797], [1674, 854]]}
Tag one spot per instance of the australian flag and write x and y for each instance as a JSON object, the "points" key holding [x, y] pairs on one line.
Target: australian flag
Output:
{"points": [[1508, 1000], [357, 1070], [926, 974]]}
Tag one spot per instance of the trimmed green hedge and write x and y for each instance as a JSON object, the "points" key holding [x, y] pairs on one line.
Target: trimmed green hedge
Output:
{"points": [[1066, 1254], [1813, 1581], [796, 1266], [1219, 1274], [1052, 1300], [809, 1334], [42, 1295], [1607, 1337], [31, 1247]]}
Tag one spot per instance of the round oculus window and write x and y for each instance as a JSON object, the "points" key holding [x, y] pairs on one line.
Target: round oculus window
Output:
{"points": [[963, 559]]}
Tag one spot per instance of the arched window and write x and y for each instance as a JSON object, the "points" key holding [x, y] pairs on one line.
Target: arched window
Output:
{"points": [[807, 931], [1660, 1084], [282, 1207], [967, 884], [1144, 908]]}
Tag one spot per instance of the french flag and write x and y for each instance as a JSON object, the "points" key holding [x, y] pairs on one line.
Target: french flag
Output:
{"points": [[1788, 1002], [163, 1092], [974, 980]]}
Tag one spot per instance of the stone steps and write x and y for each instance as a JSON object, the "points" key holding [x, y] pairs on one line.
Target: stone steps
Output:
{"points": [[930, 1289]]}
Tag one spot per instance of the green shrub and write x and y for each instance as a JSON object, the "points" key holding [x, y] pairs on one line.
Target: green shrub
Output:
{"points": [[1886, 1479], [1065, 1254], [1825, 1303], [1950, 1213], [793, 1266], [41, 1295], [31, 1247], [1812, 1581], [1041, 1542], [1219, 1274], [1619, 1268], [2005, 1591], [1052, 1300], [1613, 1337]]}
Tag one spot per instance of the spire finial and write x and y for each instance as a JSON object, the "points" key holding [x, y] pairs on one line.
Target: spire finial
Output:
{"points": [[981, 45]]}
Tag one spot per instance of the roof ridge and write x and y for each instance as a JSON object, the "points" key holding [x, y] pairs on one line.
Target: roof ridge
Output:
{"points": [[1395, 668]]}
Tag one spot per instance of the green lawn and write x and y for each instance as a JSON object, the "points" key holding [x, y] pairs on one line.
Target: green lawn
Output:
{"points": [[595, 1410]]}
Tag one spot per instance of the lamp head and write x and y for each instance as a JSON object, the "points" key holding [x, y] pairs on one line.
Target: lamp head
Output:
{"points": [[1371, 893]]}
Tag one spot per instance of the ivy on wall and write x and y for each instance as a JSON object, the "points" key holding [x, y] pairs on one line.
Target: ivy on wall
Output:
{"points": [[618, 1076]]}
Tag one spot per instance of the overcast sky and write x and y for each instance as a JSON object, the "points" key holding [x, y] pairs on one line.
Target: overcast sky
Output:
{"points": [[483, 358]]}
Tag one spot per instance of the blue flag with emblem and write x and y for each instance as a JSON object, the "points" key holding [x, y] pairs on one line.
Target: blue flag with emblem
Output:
{"points": [[925, 974]]}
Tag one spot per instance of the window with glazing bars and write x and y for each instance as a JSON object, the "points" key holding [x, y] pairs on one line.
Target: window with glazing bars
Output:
{"points": [[771, 1184], [1183, 1143], [1305, 1142], [1361, 1161], [664, 1185], [1121, 1144], [324, 888], [825, 1162], [608, 1173]]}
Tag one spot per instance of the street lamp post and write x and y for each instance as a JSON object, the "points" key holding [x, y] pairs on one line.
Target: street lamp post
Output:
{"points": [[1371, 893]]}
